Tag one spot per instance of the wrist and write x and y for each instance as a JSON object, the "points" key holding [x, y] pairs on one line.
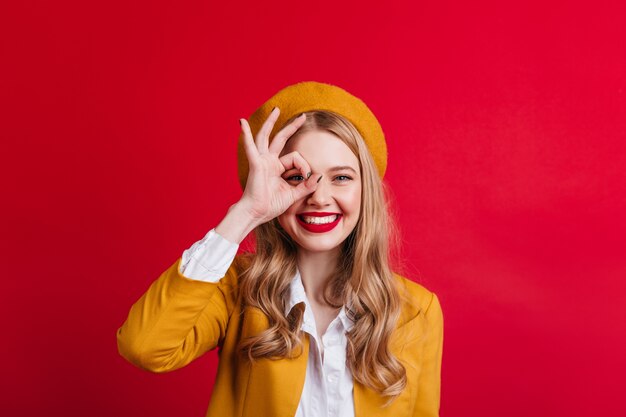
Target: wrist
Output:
{"points": [[237, 223]]}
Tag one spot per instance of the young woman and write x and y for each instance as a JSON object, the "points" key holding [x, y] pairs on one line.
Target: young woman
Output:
{"points": [[314, 323]]}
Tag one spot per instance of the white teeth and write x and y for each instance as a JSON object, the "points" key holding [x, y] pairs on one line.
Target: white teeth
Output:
{"points": [[320, 220]]}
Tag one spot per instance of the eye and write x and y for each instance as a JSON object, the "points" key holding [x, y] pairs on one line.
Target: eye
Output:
{"points": [[294, 178], [343, 178]]}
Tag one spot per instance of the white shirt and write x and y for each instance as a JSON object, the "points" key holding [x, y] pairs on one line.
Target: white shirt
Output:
{"points": [[328, 385]]}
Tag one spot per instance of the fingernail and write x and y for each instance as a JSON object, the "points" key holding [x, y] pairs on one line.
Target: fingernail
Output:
{"points": [[318, 180], [308, 175], [273, 110]]}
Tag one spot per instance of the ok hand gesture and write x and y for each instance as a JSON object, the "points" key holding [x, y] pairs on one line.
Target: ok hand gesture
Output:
{"points": [[267, 194]]}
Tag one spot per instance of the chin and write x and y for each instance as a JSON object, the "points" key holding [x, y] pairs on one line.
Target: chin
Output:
{"points": [[320, 245], [318, 248]]}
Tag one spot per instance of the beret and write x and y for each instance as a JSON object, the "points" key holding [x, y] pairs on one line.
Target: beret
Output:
{"points": [[308, 96]]}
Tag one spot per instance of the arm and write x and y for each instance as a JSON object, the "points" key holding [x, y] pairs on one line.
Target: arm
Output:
{"points": [[178, 318], [429, 385], [209, 258], [185, 312]]}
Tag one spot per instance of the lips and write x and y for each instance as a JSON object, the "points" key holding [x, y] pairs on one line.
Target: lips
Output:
{"points": [[318, 228]]}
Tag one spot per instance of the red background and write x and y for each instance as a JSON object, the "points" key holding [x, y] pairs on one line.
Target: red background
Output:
{"points": [[506, 128]]}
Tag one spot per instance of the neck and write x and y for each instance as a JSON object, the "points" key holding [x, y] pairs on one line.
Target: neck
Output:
{"points": [[316, 270]]}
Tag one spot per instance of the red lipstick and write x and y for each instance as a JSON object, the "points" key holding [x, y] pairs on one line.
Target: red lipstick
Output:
{"points": [[318, 228]]}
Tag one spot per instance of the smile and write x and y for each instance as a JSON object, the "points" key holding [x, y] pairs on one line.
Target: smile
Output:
{"points": [[317, 223], [320, 220]]}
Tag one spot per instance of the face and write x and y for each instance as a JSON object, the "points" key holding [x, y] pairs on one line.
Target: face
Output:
{"points": [[322, 220]]}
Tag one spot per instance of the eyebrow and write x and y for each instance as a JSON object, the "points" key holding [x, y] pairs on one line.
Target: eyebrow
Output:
{"points": [[333, 169], [341, 168]]}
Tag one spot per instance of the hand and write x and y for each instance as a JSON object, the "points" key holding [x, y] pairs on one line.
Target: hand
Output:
{"points": [[267, 194]]}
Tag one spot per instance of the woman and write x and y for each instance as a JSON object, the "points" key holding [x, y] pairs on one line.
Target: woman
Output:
{"points": [[314, 323]]}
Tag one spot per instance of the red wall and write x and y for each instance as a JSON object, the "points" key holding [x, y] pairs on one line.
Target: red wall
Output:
{"points": [[506, 127]]}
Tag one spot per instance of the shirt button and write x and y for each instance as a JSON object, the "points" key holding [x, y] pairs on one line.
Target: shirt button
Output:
{"points": [[330, 378]]}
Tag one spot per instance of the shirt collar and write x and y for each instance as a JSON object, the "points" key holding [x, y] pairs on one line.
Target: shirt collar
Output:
{"points": [[298, 295]]}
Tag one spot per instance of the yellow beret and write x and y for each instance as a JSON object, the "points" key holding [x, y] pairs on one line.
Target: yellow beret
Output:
{"points": [[308, 96]]}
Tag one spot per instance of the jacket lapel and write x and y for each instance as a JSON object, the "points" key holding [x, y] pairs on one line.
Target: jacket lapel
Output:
{"points": [[275, 386], [293, 374]]}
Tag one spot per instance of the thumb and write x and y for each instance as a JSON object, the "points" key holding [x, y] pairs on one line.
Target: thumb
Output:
{"points": [[307, 187]]}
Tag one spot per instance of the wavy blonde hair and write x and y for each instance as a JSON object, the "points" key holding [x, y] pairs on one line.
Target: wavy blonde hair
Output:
{"points": [[363, 280]]}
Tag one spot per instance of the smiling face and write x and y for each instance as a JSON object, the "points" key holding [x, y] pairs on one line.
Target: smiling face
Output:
{"points": [[322, 220]]}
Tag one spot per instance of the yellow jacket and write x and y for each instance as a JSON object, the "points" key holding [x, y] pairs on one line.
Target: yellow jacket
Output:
{"points": [[179, 319]]}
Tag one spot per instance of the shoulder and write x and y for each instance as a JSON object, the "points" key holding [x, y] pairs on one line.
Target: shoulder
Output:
{"points": [[415, 299]]}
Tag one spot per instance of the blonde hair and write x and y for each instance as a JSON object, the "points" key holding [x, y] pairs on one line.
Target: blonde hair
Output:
{"points": [[363, 280]]}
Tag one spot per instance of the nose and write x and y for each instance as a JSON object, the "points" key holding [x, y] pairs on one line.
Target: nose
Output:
{"points": [[322, 194]]}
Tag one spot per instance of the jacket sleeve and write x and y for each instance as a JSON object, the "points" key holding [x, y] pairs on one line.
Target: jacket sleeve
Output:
{"points": [[178, 319], [429, 391]]}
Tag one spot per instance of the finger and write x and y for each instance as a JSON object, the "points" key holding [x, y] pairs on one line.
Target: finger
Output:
{"points": [[252, 152], [295, 160], [278, 143], [262, 137], [306, 187]]}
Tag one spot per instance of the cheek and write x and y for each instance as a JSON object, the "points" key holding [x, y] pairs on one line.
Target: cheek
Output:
{"points": [[291, 211], [353, 200]]}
